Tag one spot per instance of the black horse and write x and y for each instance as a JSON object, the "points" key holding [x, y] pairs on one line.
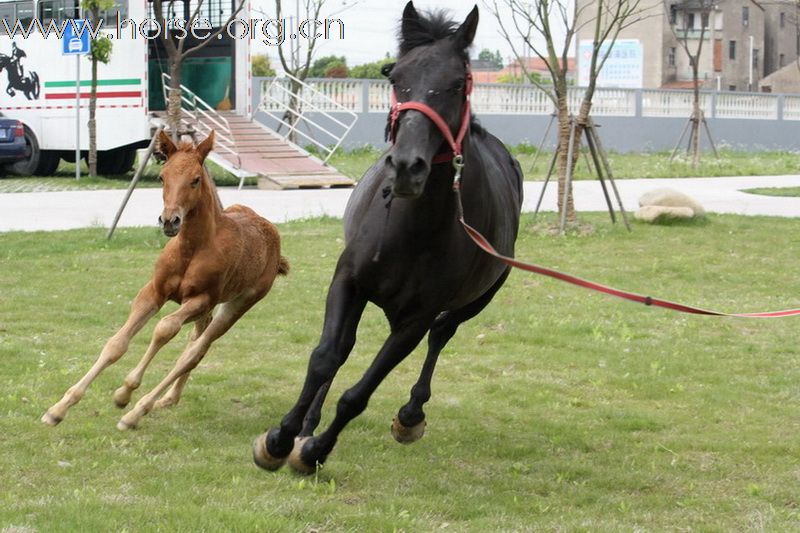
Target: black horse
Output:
{"points": [[405, 250]]}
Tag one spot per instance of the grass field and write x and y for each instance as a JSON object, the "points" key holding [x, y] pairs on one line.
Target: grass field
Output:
{"points": [[775, 191], [555, 409], [354, 163]]}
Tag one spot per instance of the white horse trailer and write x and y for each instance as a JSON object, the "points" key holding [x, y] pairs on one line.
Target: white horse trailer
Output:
{"points": [[39, 86]]}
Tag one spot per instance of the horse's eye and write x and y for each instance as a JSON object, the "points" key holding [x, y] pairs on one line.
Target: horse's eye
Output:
{"points": [[196, 182]]}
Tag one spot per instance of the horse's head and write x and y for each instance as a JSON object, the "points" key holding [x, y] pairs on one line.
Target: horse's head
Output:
{"points": [[182, 180], [432, 69]]}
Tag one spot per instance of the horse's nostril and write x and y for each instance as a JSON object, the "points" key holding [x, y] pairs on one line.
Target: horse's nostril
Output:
{"points": [[418, 167], [175, 220], [160, 221], [389, 161]]}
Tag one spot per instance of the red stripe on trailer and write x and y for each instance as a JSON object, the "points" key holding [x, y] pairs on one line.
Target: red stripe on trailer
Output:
{"points": [[105, 94]]}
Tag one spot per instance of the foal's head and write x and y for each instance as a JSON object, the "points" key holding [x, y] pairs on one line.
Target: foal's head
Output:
{"points": [[431, 68], [183, 179]]}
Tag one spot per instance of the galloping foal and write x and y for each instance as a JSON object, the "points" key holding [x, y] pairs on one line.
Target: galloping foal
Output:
{"points": [[228, 257]]}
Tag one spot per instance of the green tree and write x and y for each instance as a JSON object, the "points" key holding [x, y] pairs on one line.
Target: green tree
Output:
{"points": [[100, 52], [321, 65], [491, 57], [261, 65], [370, 71]]}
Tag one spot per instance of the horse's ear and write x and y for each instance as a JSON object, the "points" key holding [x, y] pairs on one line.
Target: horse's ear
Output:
{"points": [[165, 145], [206, 146], [466, 32], [410, 21], [387, 69]]}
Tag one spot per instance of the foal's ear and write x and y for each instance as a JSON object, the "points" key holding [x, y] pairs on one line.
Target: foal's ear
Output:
{"points": [[165, 145], [206, 146], [466, 32]]}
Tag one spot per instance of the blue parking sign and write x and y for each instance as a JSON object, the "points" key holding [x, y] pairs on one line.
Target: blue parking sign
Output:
{"points": [[72, 43]]}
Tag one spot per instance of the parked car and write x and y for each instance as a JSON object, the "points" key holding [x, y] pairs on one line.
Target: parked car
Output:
{"points": [[12, 140]]}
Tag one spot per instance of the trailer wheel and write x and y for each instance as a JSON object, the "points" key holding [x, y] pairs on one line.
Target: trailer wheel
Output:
{"points": [[115, 162], [37, 162]]}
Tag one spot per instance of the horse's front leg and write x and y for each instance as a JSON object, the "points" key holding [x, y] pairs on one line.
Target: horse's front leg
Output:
{"points": [[342, 314], [144, 306], [191, 309], [226, 317], [311, 451]]}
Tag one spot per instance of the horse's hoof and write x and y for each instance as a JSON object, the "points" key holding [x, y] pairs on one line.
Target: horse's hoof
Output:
{"points": [[125, 426], [51, 420], [263, 458], [122, 397], [407, 435], [296, 460]]}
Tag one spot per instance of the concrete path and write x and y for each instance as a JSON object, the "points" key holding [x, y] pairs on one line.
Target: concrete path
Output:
{"points": [[80, 209]]}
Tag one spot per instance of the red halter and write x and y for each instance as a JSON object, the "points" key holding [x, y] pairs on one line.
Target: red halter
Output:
{"points": [[436, 118]]}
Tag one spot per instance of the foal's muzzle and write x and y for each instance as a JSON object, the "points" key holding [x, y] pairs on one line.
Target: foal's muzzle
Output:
{"points": [[170, 227]]}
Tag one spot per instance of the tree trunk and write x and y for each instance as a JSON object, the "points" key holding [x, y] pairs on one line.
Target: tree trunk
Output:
{"points": [[564, 126], [696, 119], [174, 99], [93, 123], [294, 110]]}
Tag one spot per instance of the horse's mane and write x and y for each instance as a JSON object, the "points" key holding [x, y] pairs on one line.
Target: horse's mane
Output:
{"points": [[429, 27]]}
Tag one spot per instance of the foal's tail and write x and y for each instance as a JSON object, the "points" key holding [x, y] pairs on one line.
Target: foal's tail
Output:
{"points": [[283, 266]]}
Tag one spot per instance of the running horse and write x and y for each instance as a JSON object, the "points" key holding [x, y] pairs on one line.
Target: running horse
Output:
{"points": [[227, 259], [405, 250]]}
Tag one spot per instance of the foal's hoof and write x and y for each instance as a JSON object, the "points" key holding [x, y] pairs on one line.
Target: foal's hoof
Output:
{"points": [[122, 425], [296, 460], [122, 397], [263, 458], [51, 420], [407, 435]]}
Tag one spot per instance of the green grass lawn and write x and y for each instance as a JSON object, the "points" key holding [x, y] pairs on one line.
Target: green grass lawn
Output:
{"points": [[775, 191], [555, 409], [353, 163]]}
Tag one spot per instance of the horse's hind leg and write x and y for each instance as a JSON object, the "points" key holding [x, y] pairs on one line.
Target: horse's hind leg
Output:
{"points": [[144, 306], [173, 395], [409, 424], [226, 317], [165, 330]]}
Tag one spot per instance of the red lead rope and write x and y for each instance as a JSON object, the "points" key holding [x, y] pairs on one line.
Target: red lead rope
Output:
{"points": [[486, 246]]}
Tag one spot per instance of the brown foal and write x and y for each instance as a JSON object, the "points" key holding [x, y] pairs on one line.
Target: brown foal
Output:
{"points": [[229, 257]]}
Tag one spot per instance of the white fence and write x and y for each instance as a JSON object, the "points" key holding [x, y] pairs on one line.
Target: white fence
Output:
{"points": [[372, 96]]}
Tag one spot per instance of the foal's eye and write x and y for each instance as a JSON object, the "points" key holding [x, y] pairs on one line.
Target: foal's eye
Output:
{"points": [[196, 182]]}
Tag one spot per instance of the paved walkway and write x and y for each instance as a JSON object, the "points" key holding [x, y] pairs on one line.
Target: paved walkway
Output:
{"points": [[80, 209]]}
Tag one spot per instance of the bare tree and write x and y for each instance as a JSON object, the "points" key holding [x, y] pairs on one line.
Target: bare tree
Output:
{"points": [[682, 17], [175, 42], [546, 19]]}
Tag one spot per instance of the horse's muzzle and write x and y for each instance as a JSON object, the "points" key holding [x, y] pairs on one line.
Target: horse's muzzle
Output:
{"points": [[170, 227], [407, 175]]}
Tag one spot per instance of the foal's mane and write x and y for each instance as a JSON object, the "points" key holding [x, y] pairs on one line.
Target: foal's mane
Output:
{"points": [[429, 27]]}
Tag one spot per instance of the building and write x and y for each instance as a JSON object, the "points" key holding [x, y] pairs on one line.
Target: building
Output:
{"points": [[743, 40]]}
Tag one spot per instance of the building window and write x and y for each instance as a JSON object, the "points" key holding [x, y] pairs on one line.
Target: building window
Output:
{"points": [[673, 14], [690, 21], [731, 49], [745, 16], [731, 87], [704, 20], [781, 60], [671, 57], [755, 58], [783, 19]]}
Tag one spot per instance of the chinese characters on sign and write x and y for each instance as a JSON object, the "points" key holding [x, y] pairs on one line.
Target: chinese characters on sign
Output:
{"points": [[622, 69]]}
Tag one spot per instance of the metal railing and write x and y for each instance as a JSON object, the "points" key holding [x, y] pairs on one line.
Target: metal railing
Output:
{"points": [[372, 96], [329, 98], [203, 118]]}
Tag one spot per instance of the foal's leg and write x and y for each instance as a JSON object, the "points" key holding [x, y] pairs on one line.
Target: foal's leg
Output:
{"points": [[310, 451], [173, 395], [145, 305], [226, 317], [409, 424], [165, 330], [342, 313]]}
